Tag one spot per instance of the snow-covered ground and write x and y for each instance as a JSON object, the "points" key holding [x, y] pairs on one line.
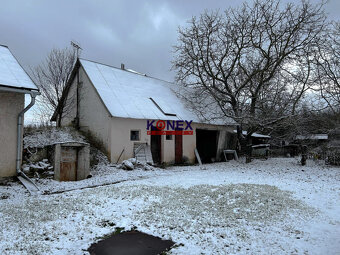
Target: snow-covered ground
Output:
{"points": [[265, 207]]}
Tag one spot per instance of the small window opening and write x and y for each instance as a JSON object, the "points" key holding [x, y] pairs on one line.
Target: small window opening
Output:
{"points": [[134, 135]]}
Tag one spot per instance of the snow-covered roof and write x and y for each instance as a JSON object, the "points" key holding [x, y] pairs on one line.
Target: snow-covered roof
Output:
{"points": [[130, 94], [312, 137], [257, 135], [11, 72]]}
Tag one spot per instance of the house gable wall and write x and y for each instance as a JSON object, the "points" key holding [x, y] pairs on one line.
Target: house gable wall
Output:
{"points": [[11, 104], [94, 118], [93, 115]]}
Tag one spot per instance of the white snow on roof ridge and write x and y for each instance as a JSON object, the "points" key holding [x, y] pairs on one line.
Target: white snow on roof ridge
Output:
{"points": [[133, 71], [12, 73]]}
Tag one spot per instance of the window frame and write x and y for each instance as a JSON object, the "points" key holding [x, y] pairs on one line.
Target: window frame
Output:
{"points": [[139, 134]]}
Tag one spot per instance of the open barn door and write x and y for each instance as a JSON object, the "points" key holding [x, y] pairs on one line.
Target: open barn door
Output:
{"points": [[206, 143]]}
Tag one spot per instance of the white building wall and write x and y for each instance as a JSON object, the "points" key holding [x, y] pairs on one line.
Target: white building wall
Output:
{"points": [[11, 104], [120, 140], [120, 137], [121, 144], [168, 148], [93, 116]]}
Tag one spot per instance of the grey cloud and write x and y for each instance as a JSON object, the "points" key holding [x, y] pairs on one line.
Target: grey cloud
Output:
{"points": [[139, 33]]}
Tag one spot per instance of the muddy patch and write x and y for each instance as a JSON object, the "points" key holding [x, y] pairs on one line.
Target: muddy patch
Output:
{"points": [[132, 243]]}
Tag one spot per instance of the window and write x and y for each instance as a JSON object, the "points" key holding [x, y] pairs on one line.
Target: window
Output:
{"points": [[134, 135], [163, 107], [168, 137]]}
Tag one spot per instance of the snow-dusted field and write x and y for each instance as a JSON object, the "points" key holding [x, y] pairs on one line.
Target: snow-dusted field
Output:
{"points": [[265, 207]]}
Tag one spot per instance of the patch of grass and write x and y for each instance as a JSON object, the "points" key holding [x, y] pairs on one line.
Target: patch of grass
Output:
{"points": [[107, 223], [94, 141], [118, 230], [172, 247]]}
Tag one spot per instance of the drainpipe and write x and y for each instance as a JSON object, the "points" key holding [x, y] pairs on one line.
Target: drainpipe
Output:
{"points": [[19, 133]]}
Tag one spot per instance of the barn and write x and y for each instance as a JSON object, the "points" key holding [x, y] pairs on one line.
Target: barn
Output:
{"points": [[14, 85], [134, 115]]}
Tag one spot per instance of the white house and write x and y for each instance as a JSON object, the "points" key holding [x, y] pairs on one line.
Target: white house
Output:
{"points": [[119, 106], [14, 84]]}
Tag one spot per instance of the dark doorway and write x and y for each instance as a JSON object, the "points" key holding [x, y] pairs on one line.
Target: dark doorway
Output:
{"points": [[178, 149], [156, 146], [206, 144]]}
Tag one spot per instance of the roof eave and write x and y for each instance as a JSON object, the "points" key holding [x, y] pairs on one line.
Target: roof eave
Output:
{"points": [[23, 90], [67, 87]]}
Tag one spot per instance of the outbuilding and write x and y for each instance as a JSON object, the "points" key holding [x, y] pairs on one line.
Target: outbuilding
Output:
{"points": [[129, 112], [14, 85]]}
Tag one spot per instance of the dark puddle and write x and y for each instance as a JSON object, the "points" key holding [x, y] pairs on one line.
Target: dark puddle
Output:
{"points": [[131, 243]]}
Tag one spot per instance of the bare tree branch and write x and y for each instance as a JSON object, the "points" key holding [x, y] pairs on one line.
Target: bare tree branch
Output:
{"points": [[51, 77]]}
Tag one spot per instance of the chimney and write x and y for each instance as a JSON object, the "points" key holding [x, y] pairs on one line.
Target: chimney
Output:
{"points": [[122, 66]]}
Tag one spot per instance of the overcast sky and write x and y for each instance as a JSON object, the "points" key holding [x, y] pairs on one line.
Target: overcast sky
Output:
{"points": [[138, 33]]}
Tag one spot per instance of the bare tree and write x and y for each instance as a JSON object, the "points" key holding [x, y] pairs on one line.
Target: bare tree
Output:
{"points": [[328, 67], [51, 76], [252, 62]]}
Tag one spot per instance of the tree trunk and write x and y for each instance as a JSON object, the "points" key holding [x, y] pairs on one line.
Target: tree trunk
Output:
{"points": [[248, 148], [59, 116], [304, 155]]}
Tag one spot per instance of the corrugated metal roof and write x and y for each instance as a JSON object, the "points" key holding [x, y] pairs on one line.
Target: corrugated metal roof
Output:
{"points": [[11, 72], [128, 94]]}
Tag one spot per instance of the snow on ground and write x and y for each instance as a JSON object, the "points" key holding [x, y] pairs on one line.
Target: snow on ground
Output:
{"points": [[100, 176], [265, 207]]}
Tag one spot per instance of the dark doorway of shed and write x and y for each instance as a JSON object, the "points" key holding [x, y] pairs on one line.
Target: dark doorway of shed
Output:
{"points": [[206, 144], [156, 146]]}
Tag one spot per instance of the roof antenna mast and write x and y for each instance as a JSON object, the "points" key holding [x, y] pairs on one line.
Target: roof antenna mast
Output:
{"points": [[76, 46]]}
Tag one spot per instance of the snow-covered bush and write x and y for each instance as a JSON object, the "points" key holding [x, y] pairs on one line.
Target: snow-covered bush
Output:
{"points": [[40, 138]]}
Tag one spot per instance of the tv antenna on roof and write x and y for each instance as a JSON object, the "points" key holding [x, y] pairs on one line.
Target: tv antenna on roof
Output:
{"points": [[76, 45]]}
